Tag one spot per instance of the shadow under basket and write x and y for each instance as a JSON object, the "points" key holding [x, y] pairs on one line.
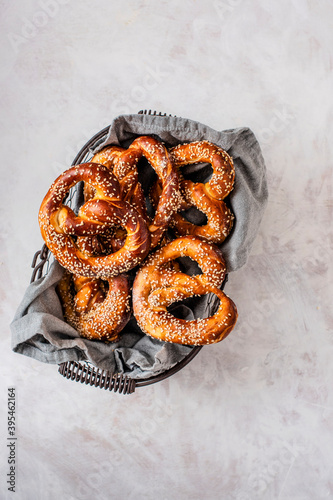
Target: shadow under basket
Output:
{"points": [[85, 372]]}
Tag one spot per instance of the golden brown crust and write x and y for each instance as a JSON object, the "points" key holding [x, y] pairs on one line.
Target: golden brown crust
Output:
{"points": [[115, 237], [97, 310], [219, 216], [124, 164], [206, 197], [159, 158], [58, 223], [158, 284], [112, 234], [222, 180], [108, 155]]}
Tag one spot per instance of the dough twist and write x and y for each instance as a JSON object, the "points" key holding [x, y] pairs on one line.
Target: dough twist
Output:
{"points": [[206, 197], [158, 284], [58, 223], [98, 310]]}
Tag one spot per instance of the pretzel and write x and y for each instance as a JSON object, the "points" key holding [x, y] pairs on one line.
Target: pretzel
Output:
{"points": [[124, 163], [58, 223], [158, 284], [219, 217], [223, 177], [206, 197], [98, 310], [125, 169]]}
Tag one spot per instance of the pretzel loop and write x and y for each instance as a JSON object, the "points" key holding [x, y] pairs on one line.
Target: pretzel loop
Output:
{"points": [[157, 285], [125, 167], [223, 177], [106, 209], [97, 310], [206, 197]]}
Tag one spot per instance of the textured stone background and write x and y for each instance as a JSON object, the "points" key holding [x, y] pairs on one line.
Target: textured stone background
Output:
{"points": [[252, 417]]}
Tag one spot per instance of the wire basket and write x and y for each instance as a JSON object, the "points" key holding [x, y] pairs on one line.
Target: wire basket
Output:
{"points": [[85, 372]]}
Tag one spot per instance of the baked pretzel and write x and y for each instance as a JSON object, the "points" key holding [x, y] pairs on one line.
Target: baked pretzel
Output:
{"points": [[130, 190], [58, 223], [97, 309], [125, 169], [206, 197], [222, 181], [158, 284], [219, 217]]}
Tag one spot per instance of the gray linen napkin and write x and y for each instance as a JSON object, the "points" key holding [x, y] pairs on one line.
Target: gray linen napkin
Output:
{"points": [[38, 328]]}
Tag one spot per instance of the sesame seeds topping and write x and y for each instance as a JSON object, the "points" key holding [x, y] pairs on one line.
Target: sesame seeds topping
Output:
{"points": [[95, 313], [117, 200], [222, 181], [156, 287]]}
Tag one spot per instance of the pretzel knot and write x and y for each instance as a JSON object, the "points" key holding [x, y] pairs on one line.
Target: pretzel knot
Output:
{"points": [[124, 164], [222, 180], [158, 284], [97, 309], [60, 226], [206, 197]]}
